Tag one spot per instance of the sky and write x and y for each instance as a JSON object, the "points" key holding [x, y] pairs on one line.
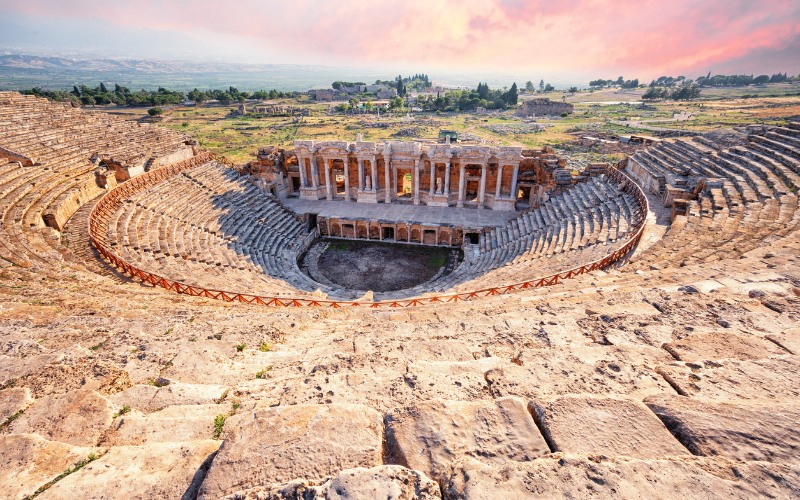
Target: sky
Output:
{"points": [[570, 39]]}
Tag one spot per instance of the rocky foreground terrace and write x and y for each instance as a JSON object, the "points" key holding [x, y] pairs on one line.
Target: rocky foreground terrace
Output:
{"points": [[634, 334]]}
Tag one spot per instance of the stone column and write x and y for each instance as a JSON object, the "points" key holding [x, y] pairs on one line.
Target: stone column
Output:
{"points": [[447, 178], [301, 163], [346, 166], [499, 181], [360, 175], [314, 173], [416, 181], [374, 169], [462, 185], [328, 190], [387, 175], [482, 186], [514, 183], [433, 178]]}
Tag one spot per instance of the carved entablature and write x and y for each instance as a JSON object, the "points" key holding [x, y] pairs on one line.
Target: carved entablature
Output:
{"points": [[474, 154], [333, 148], [364, 149], [303, 148], [440, 153], [509, 155]]}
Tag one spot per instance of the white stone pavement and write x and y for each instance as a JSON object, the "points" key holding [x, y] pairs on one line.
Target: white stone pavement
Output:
{"points": [[396, 212]]}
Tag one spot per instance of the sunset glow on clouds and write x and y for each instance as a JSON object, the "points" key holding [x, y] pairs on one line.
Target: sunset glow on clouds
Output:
{"points": [[643, 38]]}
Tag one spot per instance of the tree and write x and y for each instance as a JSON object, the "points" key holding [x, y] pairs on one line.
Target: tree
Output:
{"points": [[396, 103], [572, 90], [541, 85], [549, 88], [510, 98], [155, 111], [103, 89], [529, 86]]}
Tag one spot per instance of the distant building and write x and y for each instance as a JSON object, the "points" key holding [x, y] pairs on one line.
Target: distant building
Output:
{"points": [[321, 94], [543, 106], [445, 134]]}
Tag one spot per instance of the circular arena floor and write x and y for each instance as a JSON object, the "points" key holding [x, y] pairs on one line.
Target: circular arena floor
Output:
{"points": [[381, 267]]}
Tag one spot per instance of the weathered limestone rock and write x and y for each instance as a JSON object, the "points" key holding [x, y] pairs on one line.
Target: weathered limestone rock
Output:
{"points": [[789, 339], [592, 370], [744, 432], [607, 426], [582, 477], [78, 417], [715, 346], [135, 430], [168, 470], [429, 436], [274, 445], [772, 378], [149, 398], [28, 461], [383, 481], [13, 400]]}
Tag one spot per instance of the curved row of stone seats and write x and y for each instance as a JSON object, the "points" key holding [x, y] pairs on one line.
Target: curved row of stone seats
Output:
{"points": [[577, 226], [750, 198], [46, 173], [208, 227]]}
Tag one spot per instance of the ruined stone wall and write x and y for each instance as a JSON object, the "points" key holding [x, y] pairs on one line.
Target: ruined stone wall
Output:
{"points": [[544, 106]]}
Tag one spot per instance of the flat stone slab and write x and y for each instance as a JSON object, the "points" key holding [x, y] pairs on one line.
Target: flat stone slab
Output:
{"points": [[28, 461], [383, 481], [789, 339], [137, 430], [722, 345], [168, 470], [280, 444], [604, 426], [13, 400], [746, 432], [760, 379], [78, 417], [149, 398], [429, 436], [584, 477]]}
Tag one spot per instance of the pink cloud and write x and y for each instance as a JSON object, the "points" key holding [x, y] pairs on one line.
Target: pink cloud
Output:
{"points": [[646, 36]]}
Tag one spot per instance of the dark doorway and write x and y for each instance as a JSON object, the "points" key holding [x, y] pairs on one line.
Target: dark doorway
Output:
{"points": [[295, 186], [388, 233], [312, 221], [472, 238]]}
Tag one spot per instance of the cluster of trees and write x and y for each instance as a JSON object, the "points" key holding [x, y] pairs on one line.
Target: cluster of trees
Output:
{"points": [[483, 96], [123, 96], [682, 92], [339, 84], [543, 87], [739, 80], [619, 82]]}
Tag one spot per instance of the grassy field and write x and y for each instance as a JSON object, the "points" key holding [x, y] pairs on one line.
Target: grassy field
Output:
{"points": [[219, 129]]}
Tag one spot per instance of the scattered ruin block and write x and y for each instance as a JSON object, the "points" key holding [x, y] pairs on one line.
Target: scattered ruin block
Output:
{"points": [[275, 445], [607, 426], [742, 431], [431, 435]]}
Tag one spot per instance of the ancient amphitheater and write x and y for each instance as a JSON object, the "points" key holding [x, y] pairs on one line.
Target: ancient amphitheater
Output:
{"points": [[629, 332]]}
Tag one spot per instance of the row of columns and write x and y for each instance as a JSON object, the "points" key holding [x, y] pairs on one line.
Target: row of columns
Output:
{"points": [[374, 184]]}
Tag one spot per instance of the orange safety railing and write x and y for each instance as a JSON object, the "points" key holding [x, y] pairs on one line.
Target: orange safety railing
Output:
{"points": [[98, 225]]}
